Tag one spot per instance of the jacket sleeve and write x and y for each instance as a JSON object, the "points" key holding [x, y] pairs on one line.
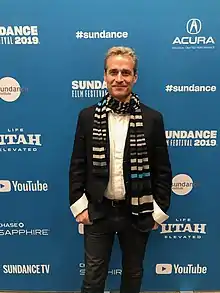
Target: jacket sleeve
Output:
{"points": [[77, 171], [161, 168]]}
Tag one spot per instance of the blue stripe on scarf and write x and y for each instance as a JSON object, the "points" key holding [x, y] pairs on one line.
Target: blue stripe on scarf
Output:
{"points": [[140, 175]]}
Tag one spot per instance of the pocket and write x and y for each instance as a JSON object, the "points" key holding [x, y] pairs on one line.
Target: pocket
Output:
{"points": [[89, 224]]}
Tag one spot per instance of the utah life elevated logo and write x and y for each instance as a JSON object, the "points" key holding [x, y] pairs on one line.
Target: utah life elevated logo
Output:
{"points": [[183, 229], [193, 38], [17, 140]]}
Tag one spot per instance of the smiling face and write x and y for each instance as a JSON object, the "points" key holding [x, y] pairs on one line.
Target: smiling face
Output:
{"points": [[120, 76]]}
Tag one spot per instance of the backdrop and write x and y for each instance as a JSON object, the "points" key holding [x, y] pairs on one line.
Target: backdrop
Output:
{"points": [[51, 66]]}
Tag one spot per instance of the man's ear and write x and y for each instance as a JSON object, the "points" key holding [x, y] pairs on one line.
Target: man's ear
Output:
{"points": [[105, 75], [135, 77]]}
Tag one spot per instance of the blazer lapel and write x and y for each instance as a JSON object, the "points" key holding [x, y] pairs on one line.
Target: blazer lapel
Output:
{"points": [[107, 146], [126, 148]]}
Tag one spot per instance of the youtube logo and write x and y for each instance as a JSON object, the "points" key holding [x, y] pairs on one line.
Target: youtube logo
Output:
{"points": [[5, 186], [163, 269]]}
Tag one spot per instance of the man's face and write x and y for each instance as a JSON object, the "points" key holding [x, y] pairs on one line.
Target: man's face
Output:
{"points": [[120, 76]]}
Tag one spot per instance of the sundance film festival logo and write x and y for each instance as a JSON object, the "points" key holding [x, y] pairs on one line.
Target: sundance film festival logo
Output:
{"points": [[88, 88], [192, 138], [17, 140], [19, 35], [10, 89], [20, 229], [183, 229], [193, 38]]}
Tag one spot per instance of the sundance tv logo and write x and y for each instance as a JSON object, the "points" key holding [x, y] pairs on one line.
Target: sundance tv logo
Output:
{"points": [[190, 269], [26, 269], [194, 39], [17, 140], [19, 35], [88, 88], [26, 186], [10, 89]]}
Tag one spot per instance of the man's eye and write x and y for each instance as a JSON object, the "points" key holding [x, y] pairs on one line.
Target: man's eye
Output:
{"points": [[126, 73], [113, 72]]}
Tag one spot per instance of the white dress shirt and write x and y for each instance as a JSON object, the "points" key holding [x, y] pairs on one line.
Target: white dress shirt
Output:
{"points": [[118, 128]]}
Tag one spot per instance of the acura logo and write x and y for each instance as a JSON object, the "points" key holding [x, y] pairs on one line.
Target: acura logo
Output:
{"points": [[194, 26]]}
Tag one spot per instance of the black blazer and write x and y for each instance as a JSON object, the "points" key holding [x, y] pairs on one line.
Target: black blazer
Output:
{"points": [[81, 179]]}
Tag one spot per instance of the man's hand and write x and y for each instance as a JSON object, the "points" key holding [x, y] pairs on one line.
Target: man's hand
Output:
{"points": [[83, 218], [155, 227]]}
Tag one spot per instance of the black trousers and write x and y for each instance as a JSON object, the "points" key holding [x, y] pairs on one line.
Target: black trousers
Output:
{"points": [[98, 242]]}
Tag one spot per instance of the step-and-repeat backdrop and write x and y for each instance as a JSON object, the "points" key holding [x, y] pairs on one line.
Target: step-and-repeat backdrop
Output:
{"points": [[51, 66]]}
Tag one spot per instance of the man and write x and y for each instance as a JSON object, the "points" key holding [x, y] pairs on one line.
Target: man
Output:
{"points": [[120, 175]]}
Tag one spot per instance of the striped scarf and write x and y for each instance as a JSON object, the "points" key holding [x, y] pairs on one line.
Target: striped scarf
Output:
{"points": [[141, 198]]}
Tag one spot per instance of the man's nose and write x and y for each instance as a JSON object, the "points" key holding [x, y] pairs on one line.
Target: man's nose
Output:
{"points": [[119, 77]]}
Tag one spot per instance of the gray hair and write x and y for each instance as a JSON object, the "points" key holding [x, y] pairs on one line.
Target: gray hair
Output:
{"points": [[124, 51]]}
